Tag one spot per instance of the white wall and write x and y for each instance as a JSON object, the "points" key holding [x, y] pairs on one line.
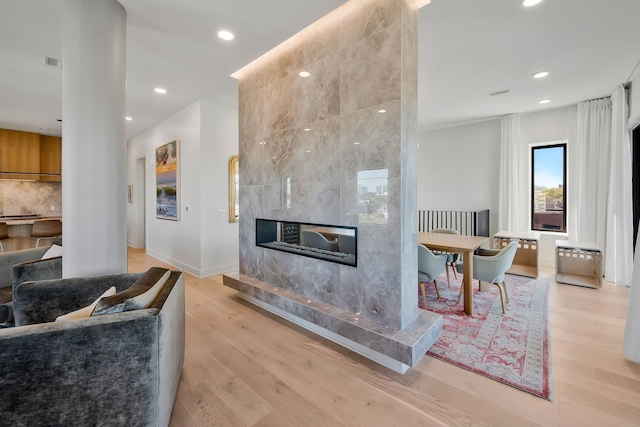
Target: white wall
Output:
{"points": [[219, 142], [458, 166], [206, 133]]}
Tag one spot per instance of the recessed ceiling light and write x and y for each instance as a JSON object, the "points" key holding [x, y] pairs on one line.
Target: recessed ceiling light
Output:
{"points": [[128, 119], [540, 74], [160, 90], [544, 101], [304, 74], [225, 35], [382, 111], [528, 3]]}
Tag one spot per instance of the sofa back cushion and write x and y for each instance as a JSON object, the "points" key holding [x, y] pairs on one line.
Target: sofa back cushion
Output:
{"points": [[139, 295]]}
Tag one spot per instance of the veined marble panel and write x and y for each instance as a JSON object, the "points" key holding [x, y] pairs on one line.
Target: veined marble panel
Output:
{"points": [[371, 140], [251, 115], [252, 164], [370, 72], [306, 276], [316, 202], [317, 97], [251, 256], [370, 18]]}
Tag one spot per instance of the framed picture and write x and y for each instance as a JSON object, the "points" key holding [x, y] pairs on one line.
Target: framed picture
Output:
{"points": [[168, 181], [130, 193]]}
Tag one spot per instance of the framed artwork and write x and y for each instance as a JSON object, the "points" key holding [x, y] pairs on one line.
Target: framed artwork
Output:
{"points": [[130, 193], [168, 181], [234, 173]]}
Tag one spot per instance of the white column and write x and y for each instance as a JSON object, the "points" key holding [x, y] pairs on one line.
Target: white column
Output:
{"points": [[93, 138]]}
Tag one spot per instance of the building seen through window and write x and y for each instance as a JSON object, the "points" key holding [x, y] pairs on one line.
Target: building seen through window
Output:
{"points": [[548, 192]]}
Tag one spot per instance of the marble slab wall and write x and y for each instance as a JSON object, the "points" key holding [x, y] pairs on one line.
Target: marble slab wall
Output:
{"points": [[30, 197], [306, 141]]}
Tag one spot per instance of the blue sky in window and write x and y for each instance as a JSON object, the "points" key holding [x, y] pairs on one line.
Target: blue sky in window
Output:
{"points": [[548, 167]]}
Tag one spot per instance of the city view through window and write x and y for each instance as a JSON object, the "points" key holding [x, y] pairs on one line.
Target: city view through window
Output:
{"points": [[549, 188]]}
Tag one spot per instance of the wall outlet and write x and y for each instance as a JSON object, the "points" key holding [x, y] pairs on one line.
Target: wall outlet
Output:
{"points": [[53, 208]]}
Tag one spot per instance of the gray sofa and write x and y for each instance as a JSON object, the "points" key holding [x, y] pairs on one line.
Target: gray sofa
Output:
{"points": [[22, 266], [118, 369]]}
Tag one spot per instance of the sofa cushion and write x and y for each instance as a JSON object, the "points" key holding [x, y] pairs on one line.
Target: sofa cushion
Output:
{"points": [[52, 252], [140, 295], [85, 312]]}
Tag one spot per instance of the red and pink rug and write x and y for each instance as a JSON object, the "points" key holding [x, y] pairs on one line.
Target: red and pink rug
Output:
{"points": [[514, 348]]}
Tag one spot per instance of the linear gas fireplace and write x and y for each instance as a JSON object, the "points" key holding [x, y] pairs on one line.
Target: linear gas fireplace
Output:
{"points": [[334, 243]]}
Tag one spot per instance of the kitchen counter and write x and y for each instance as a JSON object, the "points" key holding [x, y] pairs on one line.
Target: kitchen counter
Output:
{"points": [[28, 221]]}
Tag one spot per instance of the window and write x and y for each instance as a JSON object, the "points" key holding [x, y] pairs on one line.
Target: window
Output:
{"points": [[548, 187]]}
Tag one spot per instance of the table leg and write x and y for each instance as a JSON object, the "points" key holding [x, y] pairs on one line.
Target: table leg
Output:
{"points": [[468, 283]]}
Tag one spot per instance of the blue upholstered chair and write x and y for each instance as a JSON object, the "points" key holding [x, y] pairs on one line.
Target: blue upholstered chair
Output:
{"points": [[313, 239], [490, 265], [430, 266], [452, 259]]}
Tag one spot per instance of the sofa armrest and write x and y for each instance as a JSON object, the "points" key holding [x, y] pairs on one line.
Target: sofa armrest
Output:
{"points": [[9, 259], [41, 269], [96, 371], [43, 301]]}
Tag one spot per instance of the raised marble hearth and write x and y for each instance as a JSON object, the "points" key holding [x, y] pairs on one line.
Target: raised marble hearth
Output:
{"points": [[372, 339]]}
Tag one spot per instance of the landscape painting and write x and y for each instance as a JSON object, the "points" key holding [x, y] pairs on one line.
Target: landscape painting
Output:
{"points": [[167, 177]]}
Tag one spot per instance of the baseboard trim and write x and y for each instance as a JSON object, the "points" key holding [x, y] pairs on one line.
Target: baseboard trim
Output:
{"points": [[175, 263]]}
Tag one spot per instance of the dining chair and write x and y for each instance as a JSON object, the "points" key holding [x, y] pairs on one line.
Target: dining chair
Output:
{"points": [[313, 239], [430, 266], [490, 265], [46, 229], [452, 259]]}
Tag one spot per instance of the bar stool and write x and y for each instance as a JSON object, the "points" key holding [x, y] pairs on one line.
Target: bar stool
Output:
{"points": [[4, 234], [46, 229]]}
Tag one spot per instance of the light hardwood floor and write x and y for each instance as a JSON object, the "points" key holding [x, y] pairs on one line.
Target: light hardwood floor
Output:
{"points": [[247, 367]]}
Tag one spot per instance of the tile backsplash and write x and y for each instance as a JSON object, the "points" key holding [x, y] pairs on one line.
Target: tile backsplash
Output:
{"points": [[30, 197]]}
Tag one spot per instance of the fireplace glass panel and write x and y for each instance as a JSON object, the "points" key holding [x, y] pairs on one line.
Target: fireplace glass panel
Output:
{"points": [[334, 243]]}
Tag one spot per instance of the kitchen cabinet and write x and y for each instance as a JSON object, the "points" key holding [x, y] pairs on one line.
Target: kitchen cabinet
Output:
{"points": [[19, 155], [50, 158]]}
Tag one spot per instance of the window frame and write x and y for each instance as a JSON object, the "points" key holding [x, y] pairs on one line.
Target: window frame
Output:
{"points": [[554, 144]]}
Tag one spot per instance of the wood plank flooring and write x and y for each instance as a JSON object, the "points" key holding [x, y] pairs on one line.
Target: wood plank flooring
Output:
{"points": [[247, 367]]}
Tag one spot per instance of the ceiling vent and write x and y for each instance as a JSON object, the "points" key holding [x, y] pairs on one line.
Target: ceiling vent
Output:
{"points": [[500, 92], [52, 62]]}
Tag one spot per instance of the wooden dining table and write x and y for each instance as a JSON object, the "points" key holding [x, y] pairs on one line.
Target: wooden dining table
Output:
{"points": [[458, 244]]}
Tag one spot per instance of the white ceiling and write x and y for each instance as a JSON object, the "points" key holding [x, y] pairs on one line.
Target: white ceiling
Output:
{"points": [[468, 48]]}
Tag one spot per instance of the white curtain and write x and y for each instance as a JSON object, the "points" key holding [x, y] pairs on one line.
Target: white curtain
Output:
{"points": [[591, 178], [510, 197], [619, 232]]}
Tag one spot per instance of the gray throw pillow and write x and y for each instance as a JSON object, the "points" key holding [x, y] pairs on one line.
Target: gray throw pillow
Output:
{"points": [[126, 300]]}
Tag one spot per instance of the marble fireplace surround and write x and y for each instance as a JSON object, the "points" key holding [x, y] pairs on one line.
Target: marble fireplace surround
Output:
{"points": [[304, 142]]}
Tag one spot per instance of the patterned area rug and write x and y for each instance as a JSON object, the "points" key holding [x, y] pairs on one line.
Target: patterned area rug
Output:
{"points": [[514, 348]]}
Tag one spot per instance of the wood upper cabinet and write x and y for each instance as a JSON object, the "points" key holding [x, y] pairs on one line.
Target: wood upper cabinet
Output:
{"points": [[50, 158], [19, 154]]}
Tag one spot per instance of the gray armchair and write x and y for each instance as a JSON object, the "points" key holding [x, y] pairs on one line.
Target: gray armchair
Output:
{"points": [[23, 266], [490, 265], [430, 266]]}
